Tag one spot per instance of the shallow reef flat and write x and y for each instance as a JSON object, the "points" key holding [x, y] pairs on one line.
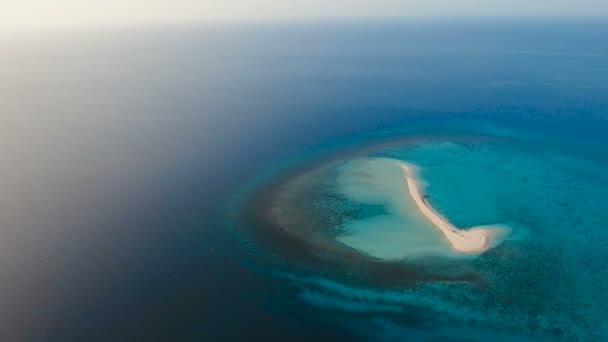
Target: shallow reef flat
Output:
{"points": [[351, 229]]}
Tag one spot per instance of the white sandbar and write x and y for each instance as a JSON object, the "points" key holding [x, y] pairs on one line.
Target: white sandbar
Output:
{"points": [[474, 240]]}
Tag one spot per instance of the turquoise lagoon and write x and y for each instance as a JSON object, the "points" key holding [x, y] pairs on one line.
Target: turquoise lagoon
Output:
{"points": [[338, 222]]}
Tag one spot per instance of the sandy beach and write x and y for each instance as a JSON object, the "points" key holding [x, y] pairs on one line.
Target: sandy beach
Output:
{"points": [[474, 240]]}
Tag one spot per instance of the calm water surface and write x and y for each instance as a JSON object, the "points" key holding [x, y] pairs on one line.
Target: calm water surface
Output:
{"points": [[123, 152]]}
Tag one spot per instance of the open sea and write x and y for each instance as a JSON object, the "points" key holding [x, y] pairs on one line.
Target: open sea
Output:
{"points": [[239, 182]]}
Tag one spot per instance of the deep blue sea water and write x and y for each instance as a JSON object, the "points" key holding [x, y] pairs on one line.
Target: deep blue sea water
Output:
{"points": [[128, 155]]}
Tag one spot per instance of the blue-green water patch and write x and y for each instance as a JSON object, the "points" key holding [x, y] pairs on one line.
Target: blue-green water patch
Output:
{"points": [[356, 228]]}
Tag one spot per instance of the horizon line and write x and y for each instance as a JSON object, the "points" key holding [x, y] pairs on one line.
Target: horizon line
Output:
{"points": [[265, 21]]}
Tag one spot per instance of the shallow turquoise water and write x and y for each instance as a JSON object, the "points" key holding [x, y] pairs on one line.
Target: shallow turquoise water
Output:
{"points": [[402, 232], [545, 280]]}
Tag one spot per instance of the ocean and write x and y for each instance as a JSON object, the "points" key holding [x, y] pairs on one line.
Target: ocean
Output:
{"points": [[227, 182]]}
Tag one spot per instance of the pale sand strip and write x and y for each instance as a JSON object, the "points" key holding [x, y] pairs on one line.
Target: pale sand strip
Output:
{"points": [[473, 240]]}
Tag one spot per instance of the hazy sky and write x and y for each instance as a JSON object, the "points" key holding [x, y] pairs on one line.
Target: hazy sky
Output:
{"points": [[28, 14]]}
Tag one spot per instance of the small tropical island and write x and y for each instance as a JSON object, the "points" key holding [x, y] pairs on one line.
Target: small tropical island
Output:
{"points": [[474, 240]]}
